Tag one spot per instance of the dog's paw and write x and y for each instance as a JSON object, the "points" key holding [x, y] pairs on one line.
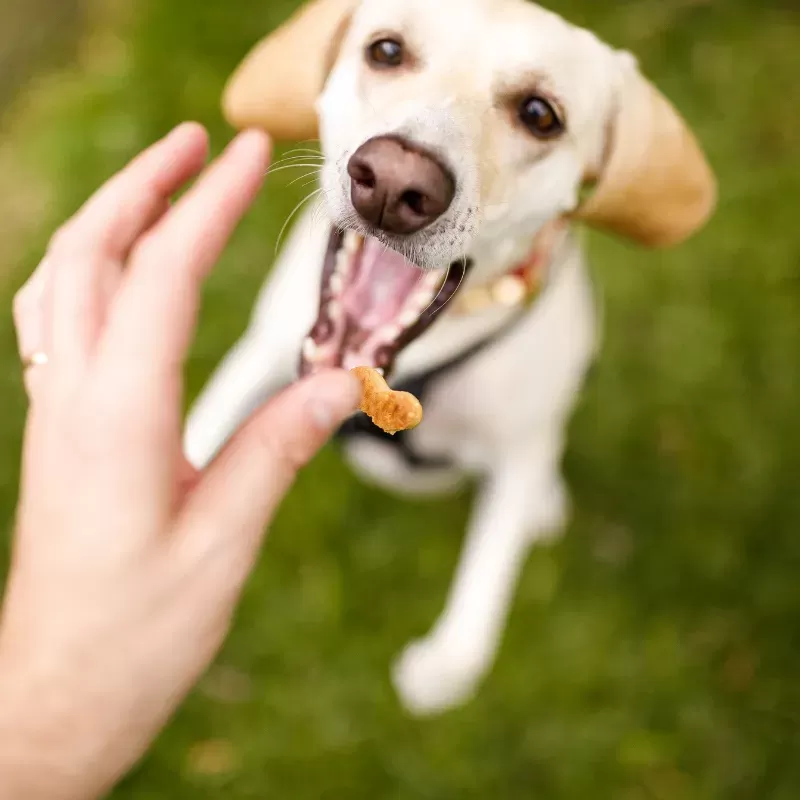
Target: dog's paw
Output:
{"points": [[433, 676]]}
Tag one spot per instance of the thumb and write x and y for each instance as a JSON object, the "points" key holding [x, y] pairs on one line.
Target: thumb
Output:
{"points": [[240, 491]]}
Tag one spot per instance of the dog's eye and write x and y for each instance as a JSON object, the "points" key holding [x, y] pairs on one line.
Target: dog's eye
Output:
{"points": [[385, 54], [540, 118]]}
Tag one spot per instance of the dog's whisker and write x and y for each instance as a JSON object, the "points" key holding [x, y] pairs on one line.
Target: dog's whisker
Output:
{"points": [[304, 157], [315, 175], [291, 217], [304, 150], [307, 183], [292, 166], [318, 213], [433, 302], [295, 159], [294, 150], [460, 281], [298, 163]]}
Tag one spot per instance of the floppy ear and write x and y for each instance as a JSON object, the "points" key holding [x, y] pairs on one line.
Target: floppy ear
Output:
{"points": [[277, 85], [655, 185]]}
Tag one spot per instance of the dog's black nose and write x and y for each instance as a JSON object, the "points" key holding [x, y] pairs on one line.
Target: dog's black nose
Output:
{"points": [[398, 187]]}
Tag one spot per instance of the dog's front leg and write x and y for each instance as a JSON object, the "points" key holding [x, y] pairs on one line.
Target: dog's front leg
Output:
{"points": [[266, 358], [522, 502], [250, 373]]}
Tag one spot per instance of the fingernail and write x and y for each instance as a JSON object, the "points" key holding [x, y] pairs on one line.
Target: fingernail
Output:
{"points": [[353, 391], [247, 140], [184, 129]]}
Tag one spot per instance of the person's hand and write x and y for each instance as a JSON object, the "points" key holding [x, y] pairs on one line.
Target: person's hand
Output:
{"points": [[127, 564]]}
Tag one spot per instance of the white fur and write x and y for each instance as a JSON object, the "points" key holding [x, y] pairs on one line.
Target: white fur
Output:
{"points": [[502, 415]]}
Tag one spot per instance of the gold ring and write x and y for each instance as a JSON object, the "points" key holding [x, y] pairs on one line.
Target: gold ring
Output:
{"points": [[38, 359]]}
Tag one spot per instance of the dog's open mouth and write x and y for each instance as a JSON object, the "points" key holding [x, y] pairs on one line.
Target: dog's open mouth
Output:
{"points": [[373, 303]]}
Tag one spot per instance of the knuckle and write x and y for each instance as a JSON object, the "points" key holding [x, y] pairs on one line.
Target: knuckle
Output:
{"points": [[26, 305], [64, 239], [20, 305], [288, 453]]}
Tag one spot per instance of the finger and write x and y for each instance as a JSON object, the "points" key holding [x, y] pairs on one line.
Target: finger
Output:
{"points": [[113, 218], [31, 316], [168, 265], [89, 252], [239, 493], [28, 311]]}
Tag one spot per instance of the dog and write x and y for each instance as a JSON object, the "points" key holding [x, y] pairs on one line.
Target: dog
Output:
{"points": [[465, 142]]}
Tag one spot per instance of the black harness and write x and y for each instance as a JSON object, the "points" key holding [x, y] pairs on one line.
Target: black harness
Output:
{"points": [[420, 385]]}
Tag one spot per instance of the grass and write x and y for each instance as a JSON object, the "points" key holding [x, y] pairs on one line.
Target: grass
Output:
{"points": [[654, 652]]}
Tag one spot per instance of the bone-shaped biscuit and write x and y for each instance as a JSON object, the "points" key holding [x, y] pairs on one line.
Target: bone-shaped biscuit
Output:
{"points": [[389, 410]]}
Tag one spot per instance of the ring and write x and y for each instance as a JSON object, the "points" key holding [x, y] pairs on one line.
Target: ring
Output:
{"points": [[38, 359]]}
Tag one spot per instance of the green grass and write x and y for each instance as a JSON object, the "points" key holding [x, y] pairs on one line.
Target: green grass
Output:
{"points": [[653, 653]]}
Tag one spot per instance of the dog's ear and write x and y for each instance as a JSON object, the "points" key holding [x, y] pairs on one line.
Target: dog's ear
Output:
{"points": [[277, 85], [655, 185]]}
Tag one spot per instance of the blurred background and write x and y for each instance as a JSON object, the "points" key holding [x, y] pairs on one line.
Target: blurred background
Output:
{"points": [[654, 652]]}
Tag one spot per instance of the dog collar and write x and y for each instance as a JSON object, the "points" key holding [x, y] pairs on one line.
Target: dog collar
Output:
{"points": [[521, 285]]}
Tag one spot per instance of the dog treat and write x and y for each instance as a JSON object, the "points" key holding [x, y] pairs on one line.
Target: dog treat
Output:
{"points": [[391, 411]]}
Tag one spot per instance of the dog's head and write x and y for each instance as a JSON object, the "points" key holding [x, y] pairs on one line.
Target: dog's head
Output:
{"points": [[449, 123]]}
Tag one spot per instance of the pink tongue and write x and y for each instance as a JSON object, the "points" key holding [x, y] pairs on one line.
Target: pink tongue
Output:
{"points": [[384, 280]]}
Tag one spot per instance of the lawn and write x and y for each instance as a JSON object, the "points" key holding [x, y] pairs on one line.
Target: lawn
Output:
{"points": [[654, 652]]}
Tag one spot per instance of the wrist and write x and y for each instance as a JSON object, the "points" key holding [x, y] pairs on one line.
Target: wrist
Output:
{"points": [[43, 755]]}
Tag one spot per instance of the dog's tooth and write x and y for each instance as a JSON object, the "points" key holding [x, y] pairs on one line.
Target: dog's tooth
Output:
{"points": [[342, 265], [432, 280], [347, 250], [420, 300], [408, 317], [310, 349], [352, 242], [390, 333], [430, 286], [337, 283], [335, 310]]}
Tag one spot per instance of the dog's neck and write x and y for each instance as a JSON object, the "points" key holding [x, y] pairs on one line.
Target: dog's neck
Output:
{"points": [[456, 332]]}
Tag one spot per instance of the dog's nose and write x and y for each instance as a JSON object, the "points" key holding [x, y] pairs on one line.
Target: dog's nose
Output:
{"points": [[398, 187]]}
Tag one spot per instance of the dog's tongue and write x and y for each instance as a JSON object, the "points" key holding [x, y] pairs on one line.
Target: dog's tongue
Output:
{"points": [[383, 281]]}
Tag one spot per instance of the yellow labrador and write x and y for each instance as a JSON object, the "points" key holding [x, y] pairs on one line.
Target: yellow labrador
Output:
{"points": [[464, 141]]}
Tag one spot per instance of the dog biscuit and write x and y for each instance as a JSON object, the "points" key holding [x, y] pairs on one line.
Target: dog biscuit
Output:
{"points": [[391, 411]]}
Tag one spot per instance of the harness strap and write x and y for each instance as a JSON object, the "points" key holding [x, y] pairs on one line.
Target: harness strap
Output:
{"points": [[361, 424]]}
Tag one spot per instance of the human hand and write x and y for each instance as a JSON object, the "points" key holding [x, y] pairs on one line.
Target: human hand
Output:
{"points": [[128, 563]]}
